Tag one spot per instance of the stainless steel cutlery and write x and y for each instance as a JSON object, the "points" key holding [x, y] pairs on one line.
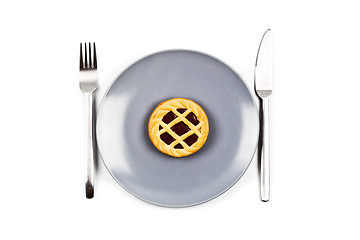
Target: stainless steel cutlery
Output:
{"points": [[264, 89], [88, 83]]}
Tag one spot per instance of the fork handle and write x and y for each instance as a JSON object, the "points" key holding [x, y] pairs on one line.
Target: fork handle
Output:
{"points": [[265, 152], [89, 186]]}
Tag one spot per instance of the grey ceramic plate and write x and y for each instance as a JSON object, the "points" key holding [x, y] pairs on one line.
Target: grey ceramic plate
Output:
{"points": [[152, 176]]}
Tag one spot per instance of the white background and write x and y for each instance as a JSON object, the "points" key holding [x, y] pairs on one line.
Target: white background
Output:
{"points": [[315, 117]]}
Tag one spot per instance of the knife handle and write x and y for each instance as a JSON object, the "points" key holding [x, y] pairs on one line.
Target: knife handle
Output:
{"points": [[265, 152]]}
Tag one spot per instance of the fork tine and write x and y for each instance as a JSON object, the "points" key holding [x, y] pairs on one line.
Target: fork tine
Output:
{"points": [[94, 60], [81, 58], [90, 65], [86, 58]]}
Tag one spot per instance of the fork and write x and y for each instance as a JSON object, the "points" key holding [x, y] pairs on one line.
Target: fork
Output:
{"points": [[88, 83]]}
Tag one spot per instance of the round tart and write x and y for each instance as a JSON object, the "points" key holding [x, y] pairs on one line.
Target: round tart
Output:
{"points": [[178, 127]]}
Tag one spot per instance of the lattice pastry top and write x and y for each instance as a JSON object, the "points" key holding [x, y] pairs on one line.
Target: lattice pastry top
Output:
{"points": [[178, 127]]}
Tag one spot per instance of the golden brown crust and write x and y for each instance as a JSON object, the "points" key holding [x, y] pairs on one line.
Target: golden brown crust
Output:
{"points": [[201, 129]]}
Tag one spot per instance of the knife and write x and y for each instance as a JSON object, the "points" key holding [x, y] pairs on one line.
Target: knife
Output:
{"points": [[264, 88]]}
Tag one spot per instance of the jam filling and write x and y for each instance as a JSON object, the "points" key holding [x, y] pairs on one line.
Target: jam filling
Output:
{"points": [[167, 138], [192, 118], [180, 128], [169, 117], [181, 110], [190, 140], [178, 146]]}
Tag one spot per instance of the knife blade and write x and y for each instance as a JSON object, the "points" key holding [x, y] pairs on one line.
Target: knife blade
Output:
{"points": [[264, 89]]}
